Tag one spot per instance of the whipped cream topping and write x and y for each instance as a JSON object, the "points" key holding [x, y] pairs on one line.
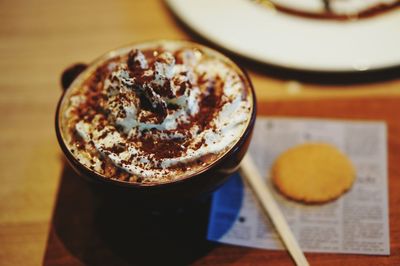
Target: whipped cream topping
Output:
{"points": [[154, 115]]}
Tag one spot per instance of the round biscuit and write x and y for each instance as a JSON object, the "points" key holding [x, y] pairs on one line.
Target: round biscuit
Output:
{"points": [[313, 173]]}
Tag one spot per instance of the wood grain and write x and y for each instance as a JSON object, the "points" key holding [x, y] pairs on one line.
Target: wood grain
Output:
{"points": [[38, 39]]}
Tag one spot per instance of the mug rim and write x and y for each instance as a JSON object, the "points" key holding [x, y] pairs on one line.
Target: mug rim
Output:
{"points": [[85, 170]]}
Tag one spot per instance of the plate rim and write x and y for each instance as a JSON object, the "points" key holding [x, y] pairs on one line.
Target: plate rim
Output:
{"points": [[175, 6]]}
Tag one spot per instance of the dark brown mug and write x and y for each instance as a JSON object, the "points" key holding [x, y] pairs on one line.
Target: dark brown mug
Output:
{"points": [[173, 193]]}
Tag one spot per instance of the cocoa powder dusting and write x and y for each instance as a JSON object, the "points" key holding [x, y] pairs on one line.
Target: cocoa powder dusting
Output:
{"points": [[153, 109]]}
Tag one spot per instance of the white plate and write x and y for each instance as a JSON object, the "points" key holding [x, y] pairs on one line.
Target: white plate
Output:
{"points": [[276, 38]]}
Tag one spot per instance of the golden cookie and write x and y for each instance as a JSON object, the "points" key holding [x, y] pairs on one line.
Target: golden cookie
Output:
{"points": [[313, 173]]}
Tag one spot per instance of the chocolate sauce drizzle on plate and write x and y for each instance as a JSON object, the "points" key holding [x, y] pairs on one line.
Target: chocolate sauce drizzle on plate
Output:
{"points": [[328, 12]]}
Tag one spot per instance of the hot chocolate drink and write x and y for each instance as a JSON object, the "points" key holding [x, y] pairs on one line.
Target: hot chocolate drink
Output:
{"points": [[155, 113]]}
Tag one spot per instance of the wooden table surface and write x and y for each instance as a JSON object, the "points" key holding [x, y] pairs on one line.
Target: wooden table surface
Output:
{"points": [[38, 39]]}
